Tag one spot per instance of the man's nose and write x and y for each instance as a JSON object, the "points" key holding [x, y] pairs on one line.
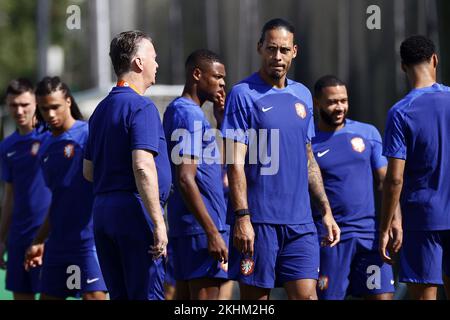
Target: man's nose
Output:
{"points": [[340, 106], [278, 55]]}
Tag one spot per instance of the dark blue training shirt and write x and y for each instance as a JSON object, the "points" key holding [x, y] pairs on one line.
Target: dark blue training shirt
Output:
{"points": [[125, 121], [195, 139], [347, 159], [72, 196], [21, 167], [277, 189], [418, 131]]}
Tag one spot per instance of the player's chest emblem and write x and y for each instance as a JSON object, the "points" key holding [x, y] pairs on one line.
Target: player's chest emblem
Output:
{"points": [[358, 145], [301, 110], [69, 151], [322, 283], [35, 148], [247, 266]]}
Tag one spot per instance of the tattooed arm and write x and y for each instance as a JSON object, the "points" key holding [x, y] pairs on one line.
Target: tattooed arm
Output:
{"points": [[320, 200]]}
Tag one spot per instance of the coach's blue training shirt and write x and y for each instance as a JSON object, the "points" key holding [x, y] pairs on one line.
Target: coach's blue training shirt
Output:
{"points": [[194, 137], [72, 197], [418, 131], [347, 159], [21, 167], [125, 121], [277, 189]]}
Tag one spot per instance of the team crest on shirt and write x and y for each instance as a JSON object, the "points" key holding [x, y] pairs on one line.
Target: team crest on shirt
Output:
{"points": [[69, 151], [358, 144], [322, 283], [301, 110], [35, 148], [223, 266], [247, 266]]}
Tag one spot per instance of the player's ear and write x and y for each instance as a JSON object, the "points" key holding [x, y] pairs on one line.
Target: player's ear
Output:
{"points": [[69, 102], [435, 60], [197, 74], [259, 46], [295, 51], [138, 63]]}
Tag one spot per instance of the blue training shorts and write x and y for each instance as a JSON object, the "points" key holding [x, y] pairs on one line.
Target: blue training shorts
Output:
{"points": [[353, 267], [282, 253], [425, 257], [191, 259], [17, 278], [71, 275]]}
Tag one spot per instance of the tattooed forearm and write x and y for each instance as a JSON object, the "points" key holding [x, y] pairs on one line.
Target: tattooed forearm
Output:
{"points": [[316, 188]]}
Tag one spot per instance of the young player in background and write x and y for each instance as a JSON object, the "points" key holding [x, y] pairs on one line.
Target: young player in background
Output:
{"points": [[64, 244], [26, 198]]}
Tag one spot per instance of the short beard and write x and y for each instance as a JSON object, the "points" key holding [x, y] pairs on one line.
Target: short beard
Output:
{"points": [[329, 119], [276, 75]]}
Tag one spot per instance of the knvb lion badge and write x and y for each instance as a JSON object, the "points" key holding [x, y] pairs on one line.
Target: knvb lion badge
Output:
{"points": [[301, 110]]}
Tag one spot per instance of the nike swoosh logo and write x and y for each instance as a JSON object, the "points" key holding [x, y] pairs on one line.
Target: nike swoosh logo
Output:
{"points": [[321, 154], [266, 109], [9, 155], [89, 281], [392, 282], [45, 159]]}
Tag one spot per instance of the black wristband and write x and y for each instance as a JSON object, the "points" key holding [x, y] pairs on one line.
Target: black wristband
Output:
{"points": [[242, 212]]}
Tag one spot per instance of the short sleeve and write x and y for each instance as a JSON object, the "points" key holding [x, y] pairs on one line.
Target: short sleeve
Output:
{"points": [[377, 159], [311, 128], [145, 129], [394, 137], [236, 120], [188, 131]]}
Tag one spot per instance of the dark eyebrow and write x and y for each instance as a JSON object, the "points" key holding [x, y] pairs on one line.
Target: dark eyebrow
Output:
{"points": [[49, 106]]}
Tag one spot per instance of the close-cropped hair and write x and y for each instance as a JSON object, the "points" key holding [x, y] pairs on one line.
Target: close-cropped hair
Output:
{"points": [[416, 50], [19, 86], [327, 81], [200, 58], [277, 23]]}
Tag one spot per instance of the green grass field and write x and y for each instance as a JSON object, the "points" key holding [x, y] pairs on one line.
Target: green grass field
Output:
{"points": [[4, 295]]}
